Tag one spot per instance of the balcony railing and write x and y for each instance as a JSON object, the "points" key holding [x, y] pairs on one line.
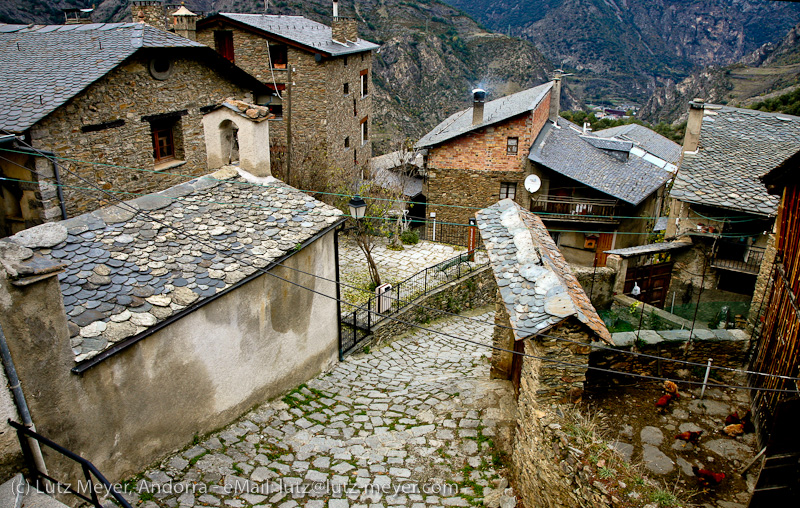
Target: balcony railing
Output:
{"points": [[737, 257], [577, 209]]}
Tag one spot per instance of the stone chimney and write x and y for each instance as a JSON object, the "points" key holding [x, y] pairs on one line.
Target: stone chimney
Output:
{"points": [[555, 97], [692, 137], [150, 12], [478, 98], [343, 29], [184, 22]]}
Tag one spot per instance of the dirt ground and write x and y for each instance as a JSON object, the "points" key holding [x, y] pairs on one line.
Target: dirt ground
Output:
{"points": [[627, 412]]}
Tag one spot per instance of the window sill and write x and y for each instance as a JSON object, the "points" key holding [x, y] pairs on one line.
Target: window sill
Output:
{"points": [[160, 166]]}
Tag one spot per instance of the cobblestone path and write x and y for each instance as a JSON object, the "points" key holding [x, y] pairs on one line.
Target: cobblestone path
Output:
{"points": [[413, 423]]}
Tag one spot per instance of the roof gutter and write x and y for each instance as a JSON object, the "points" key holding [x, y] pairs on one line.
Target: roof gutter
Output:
{"points": [[130, 341]]}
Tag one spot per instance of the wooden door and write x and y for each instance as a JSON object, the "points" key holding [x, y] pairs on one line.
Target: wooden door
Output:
{"points": [[653, 281], [604, 243]]}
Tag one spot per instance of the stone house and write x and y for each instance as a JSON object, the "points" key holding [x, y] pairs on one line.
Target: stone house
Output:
{"points": [[136, 327], [600, 190], [319, 79], [479, 155], [721, 205], [119, 105], [537, 294]]}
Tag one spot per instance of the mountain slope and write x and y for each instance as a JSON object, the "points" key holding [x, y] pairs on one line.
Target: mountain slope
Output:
{"points": [[625, 48], [769, 72], [432, 56]]}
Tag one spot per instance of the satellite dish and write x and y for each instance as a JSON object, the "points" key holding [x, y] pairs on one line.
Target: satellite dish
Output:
{"points": [[533, 183]]}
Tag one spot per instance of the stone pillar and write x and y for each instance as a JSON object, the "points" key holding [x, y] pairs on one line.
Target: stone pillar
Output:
{"points": [[763, 285], [150, 12], [503, 338], [619, 265]]}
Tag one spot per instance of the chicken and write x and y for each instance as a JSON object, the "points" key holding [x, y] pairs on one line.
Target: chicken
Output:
{"points": [[707, 478], [733, 418], [663, 403], [672, 389], [734, 429], [690, 436]]}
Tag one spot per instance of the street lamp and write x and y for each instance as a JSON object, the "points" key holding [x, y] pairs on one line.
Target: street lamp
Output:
{"points": [[358, 207]]}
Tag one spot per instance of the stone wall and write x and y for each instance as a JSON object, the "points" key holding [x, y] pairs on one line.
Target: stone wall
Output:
{"points": [[726, 348], [129, 94], [470, 292], [21, 203], [195, 375], [322, 115], [763, 283], [597, 284]]}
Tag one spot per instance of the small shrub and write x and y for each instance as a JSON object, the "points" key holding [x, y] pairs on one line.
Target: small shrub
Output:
{"points": [[409, 237]]}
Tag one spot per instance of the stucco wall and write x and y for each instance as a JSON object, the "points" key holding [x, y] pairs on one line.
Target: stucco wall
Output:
{"points": [[193, 376], [10, 454], [129, 93]]}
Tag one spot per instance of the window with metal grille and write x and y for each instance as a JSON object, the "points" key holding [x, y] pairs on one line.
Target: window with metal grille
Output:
{"points": [[508, 190], [511, 146]]}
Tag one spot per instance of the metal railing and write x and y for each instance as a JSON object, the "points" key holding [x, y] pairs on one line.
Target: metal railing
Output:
{"points": [[89, 470], [738, 257], [356, 325], [451, 234], [573, 206]]}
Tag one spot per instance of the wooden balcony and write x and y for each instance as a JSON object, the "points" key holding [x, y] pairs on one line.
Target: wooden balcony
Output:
{"points": [[737, 257], [576, 209]]}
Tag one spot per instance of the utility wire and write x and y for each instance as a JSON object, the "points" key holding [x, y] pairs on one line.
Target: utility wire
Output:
{"points": [[190, 176], [685, 362], [415, 325]]}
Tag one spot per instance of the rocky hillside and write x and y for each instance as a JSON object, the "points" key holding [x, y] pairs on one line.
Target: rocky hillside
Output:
{"points": [[769, 72], [624, 48], [431, 56]]}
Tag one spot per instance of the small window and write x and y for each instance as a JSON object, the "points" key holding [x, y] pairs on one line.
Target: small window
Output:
{"points": [[163, 143], [364, 130], [347, 142], [223, 42], [347, 88], [278, 56], [364, 83], [511, 146], [345, 61], [508, 190]]}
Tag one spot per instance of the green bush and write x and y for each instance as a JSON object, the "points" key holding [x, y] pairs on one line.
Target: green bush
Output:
{"points": [[409, 237]]}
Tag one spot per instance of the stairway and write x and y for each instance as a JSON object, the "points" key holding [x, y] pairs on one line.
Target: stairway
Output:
{"points": [[16, 493]]}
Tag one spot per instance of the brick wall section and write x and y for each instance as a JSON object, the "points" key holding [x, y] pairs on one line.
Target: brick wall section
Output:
{"points": [[128, 93], [468, 170], [322, 115]]}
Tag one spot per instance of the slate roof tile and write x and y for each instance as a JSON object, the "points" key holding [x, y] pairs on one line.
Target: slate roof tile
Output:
{"points": [[536, 283], [120, 280], [566, 151], [315, 36], [43, 66], [736, 147], [493, 112], [646, 139]]}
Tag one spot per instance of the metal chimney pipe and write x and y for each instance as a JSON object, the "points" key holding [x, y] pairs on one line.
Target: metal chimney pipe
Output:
{"points": [[478, 98], [335, 8]]}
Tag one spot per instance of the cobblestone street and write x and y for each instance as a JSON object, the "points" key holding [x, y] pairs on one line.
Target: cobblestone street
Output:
{"points": [[413, 423]]}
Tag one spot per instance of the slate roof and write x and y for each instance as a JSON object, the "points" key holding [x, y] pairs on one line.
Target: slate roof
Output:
{"points": [[736, 147], [316, 37], [410, 186], [652, 248], [43, 66], [493, 112], [646, 139], [126, 273], [565, 151], [535, 282]]}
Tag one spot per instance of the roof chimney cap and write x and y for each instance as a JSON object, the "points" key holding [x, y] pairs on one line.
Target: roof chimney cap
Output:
{"points": [[479, 94]]}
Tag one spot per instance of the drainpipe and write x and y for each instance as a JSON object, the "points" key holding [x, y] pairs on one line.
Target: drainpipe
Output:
{"points": [[19, 401]]}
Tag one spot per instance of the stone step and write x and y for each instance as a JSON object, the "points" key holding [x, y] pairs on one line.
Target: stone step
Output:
{"points": [[16, 493]]}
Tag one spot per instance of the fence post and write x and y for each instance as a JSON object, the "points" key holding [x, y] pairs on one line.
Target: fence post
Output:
{"points": [[473, 237], [433, 236]]}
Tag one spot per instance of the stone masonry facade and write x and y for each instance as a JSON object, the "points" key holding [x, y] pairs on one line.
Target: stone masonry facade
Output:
{"points": [[118, 112], [322, 115], [469, 170]]}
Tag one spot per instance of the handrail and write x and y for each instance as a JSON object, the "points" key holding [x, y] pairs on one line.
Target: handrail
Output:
{"points": [[23, 433], [575, 200]]}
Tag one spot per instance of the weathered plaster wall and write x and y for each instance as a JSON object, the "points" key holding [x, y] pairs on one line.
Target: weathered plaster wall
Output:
{"points": [[193, 376], [129, 93], [10, 454]]}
